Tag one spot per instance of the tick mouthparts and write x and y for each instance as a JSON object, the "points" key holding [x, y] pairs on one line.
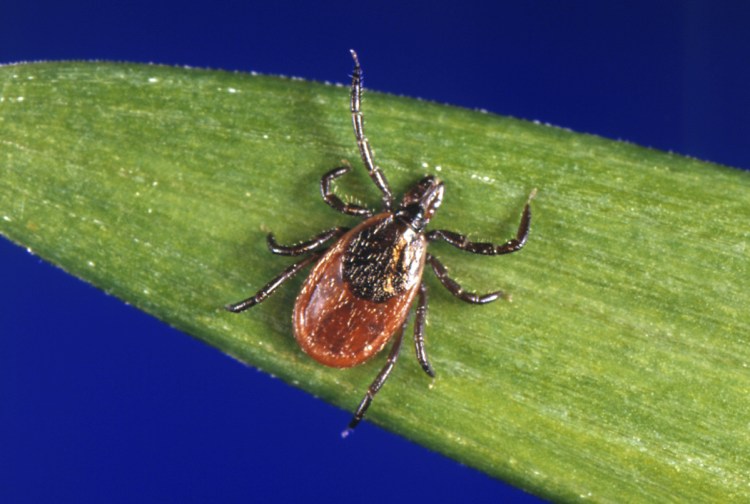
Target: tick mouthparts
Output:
{"points": [[434, 195]]}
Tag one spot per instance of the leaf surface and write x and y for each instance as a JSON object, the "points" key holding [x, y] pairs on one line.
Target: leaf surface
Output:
{"points": [[619, 371]]}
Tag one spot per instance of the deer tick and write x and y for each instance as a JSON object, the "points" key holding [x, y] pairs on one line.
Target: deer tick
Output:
{"points": [[359, 293]]}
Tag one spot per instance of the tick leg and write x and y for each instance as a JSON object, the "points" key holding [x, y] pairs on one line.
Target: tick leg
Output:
{"points": [[419, 323], [514, 244], [306, 246], [271, 286], [442, 273], [377, 383], [334, 201], [365, 151]]}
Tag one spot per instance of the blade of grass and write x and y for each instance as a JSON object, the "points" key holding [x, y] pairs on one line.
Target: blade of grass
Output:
{"points": [[618, 373]]}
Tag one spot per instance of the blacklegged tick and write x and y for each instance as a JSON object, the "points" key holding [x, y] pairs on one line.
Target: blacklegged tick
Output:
{"points": [[361, 289]]}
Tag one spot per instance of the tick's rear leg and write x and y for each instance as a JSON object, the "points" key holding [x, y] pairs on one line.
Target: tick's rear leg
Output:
{"points": [[271, 286], [419, 324], [377, 382], [455, 288]]}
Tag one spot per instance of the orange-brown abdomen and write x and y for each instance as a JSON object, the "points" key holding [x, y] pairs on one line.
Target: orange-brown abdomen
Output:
{"points": [[333, 322]]}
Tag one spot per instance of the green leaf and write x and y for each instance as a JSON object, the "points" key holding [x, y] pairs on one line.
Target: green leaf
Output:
{"points": [[619, 372]]}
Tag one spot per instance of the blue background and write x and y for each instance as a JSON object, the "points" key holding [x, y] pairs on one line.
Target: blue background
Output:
{"points": [[102, 403]]}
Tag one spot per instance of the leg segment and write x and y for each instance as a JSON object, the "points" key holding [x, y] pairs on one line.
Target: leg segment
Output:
{"points": [[306, 246], [419, 323], [365, 151], [442, 273], [334, 201], [377, 382], [271, 286], [514, 244]]}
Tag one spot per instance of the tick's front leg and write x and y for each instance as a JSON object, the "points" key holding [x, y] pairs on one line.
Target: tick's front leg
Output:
{"points": [[514, 244], [305, 246], [365, 151]]}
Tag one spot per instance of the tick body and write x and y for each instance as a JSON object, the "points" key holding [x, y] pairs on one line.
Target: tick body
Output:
{"points": [[361, 290]]}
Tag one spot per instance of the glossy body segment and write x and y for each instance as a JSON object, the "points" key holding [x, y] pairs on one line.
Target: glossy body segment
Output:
{"points": [[333, 322]]}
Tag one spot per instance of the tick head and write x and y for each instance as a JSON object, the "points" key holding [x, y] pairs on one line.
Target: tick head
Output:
{"points": [[421, 202]]}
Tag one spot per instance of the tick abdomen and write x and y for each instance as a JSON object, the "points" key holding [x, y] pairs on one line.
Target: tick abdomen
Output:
{"points": [[360, 292]]}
